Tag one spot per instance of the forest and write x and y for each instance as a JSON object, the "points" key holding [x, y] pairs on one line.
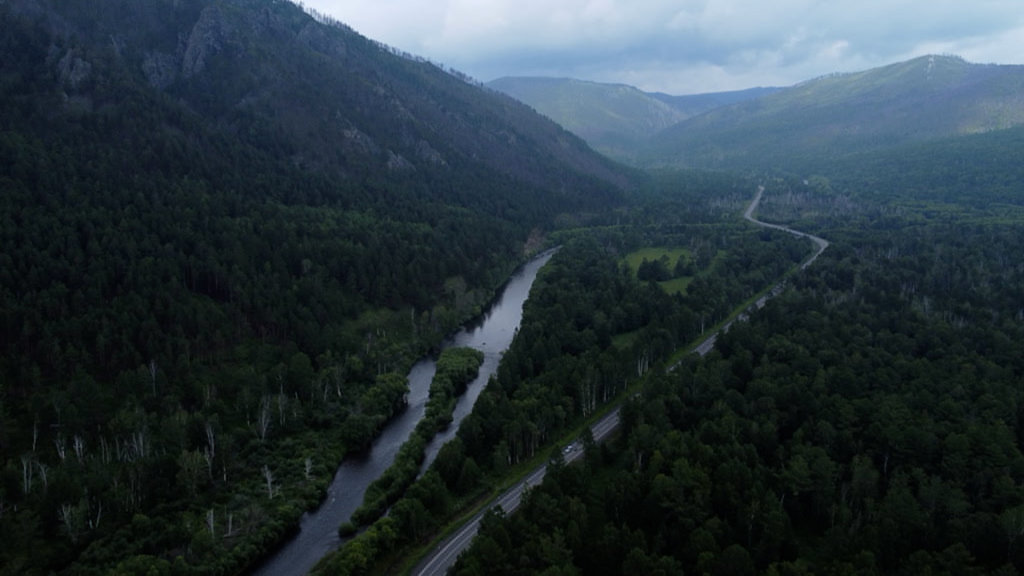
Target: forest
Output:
{"points": [[198, 321], [866, 421], [590, 328], [209, 298]]}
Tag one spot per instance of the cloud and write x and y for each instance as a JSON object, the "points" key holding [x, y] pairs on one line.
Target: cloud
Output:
{"points": [[685, 46]]}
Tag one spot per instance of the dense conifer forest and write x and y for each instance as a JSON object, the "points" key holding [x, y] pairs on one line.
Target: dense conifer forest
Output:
{"points": [[590, 329], [228, 228], [201, 313], [867, 420]]}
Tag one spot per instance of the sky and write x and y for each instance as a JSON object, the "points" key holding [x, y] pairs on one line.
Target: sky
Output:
{"points": [[685, 46]]}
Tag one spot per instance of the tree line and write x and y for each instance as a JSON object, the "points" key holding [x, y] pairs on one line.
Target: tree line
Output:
{"points": [[866, 421], [589, 329]]}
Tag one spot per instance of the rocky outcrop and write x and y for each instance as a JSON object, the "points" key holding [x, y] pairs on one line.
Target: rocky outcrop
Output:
{"points": [[427, 153], [161, 70], [357, 140], [212, 34], [73, 71], [397, 163], [317, 38]]}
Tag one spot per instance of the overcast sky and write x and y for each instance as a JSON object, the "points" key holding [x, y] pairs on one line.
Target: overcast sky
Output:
{"points": [[685, 46]]}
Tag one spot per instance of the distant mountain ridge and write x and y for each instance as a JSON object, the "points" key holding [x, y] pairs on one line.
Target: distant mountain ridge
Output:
{"points": [[613, 118], [697, 104], [920, 100]]}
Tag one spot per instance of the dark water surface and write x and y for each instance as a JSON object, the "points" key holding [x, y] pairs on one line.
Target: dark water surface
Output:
{"points": [[491, 334]]}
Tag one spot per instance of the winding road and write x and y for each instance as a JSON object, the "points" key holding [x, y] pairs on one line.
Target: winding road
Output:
{"points": [[447, 551], [821, 243]]}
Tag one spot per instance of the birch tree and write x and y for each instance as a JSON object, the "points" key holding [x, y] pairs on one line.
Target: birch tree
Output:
{"points": [[269, 477], [263, 419], [27, 473]]}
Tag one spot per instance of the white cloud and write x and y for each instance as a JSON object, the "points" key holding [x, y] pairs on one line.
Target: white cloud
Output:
{"points": [[689, 45]]}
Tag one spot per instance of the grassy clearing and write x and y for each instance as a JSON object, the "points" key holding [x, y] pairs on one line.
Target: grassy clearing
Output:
{"points": [[625, 340], [651, 254], [676, 285], [404, 561], [672, 255]]}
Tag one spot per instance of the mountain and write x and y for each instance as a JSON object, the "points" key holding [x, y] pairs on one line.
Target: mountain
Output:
{"points": [[696, 104], [339, 102], [614, 118], [915, 101], [217, 211]]}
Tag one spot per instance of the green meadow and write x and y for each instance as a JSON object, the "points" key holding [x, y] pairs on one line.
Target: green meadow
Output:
{"points": [[675, 285]]}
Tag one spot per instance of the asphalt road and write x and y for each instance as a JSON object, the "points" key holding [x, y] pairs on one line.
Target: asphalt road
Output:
{"points": [[820, 242], [709, 343], [447, 552]]}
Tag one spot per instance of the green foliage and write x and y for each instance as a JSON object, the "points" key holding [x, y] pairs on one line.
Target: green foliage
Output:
{"points": [[418, 512], [456, 367], [216, 266], [347, 529], [672, 269], [613, 118], [215, 271], [836, 117], [559, 369], [865, 421]]}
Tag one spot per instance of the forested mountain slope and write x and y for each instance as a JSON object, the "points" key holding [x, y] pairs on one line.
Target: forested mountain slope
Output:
{"points": [[867, 420], [227, 228], [320, 95], [614, 118], [695, 104], [915, 101]]}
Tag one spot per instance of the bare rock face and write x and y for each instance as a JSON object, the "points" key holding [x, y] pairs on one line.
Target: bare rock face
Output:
{"points": [[317, 38], [161, 69], [427, 153], [397, 163], [357, 140], [73, 70], [212, 34]]}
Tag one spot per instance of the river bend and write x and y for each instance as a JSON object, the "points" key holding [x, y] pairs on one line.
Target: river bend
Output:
{"points": [[491, 334]]}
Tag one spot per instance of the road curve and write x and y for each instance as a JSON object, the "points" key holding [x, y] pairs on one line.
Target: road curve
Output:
{"points": [[708, 343], [821, 243], [447, 552]]}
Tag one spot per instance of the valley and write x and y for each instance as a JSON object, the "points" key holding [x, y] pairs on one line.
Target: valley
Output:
{"points": [[490, 335], [447, 551], [231, 231]]}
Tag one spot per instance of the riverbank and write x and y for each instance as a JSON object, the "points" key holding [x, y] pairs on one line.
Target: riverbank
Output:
{"points": [[435, 558], [490, 334]]}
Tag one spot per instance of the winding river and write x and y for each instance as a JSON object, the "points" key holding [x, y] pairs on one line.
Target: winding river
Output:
{"points": [[445, 553], [491, 334]]}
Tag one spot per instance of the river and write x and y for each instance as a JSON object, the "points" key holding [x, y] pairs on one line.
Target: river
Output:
{"points": [[491, 334], [445, 553]]}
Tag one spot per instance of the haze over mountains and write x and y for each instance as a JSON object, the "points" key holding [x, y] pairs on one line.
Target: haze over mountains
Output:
{"points": [[228, 227], [927, 98], [615, 119]]}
